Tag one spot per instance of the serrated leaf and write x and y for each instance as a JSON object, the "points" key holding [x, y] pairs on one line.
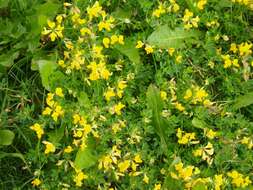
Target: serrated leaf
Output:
{"points": [[6, 137], [155, 103], [129, 50], [164, 37], [243, 101], [85, 158]]}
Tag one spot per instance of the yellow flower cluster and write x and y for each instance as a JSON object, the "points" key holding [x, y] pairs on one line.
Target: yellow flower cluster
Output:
{"points": [[186, 138], [238, 180], [54, 29], [205, 153], [53, 108], [113, 40], [80, 134], [197, 95], [79, 177], [98, 71], [184, 173], [117, 108], [159, 11], [148, 48], [116, 127], [162, 9], [110, 92], [189, 20]]}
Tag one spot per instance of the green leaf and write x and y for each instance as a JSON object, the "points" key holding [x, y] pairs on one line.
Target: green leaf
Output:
{"points": [[6, 137], [7, 59], [198, 123], [17, 155], [243, 101], [85, 158], [129, 50], [155, 103], [165, 37], [199, 186], [56, 135], [46, 68]]}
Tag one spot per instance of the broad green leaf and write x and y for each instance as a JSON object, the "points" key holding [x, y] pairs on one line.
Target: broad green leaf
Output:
{"points": [[17, 155], [56, 135], [6, 137], [243, 101], [165, 37], [85, 158], [46, 68], [129, 50], [7, 59], [198, 123], [155, 103]]}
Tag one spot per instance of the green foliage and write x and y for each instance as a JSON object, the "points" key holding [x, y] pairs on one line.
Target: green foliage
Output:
{"points": [[126, 94], [6, 137], [164, 37]]}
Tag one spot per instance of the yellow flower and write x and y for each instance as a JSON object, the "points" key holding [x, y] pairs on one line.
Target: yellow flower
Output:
{"points": [[140, 44], [245, 49], [138, 159], [211, 134], [118, 107], [179, 59], [163, 95], [218, 181], [145, 179], [76, 118], [94, 11], [49, 147], [121, 39], [149, 49], [61, 63], [179, 106], [38, 129], [158, 12], [36, 182], [171, 51], [122, 84], [79, 177], [188, 94], [201, 4], [47, 111], [114, 39], [68, 149], [53, 30], [58, 92], [233, 48], [157, 186], [123, 166], [106, 42], [109, 94]]}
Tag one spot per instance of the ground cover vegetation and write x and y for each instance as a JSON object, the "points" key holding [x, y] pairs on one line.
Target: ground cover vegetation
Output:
{"points": [[126, 94]]}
